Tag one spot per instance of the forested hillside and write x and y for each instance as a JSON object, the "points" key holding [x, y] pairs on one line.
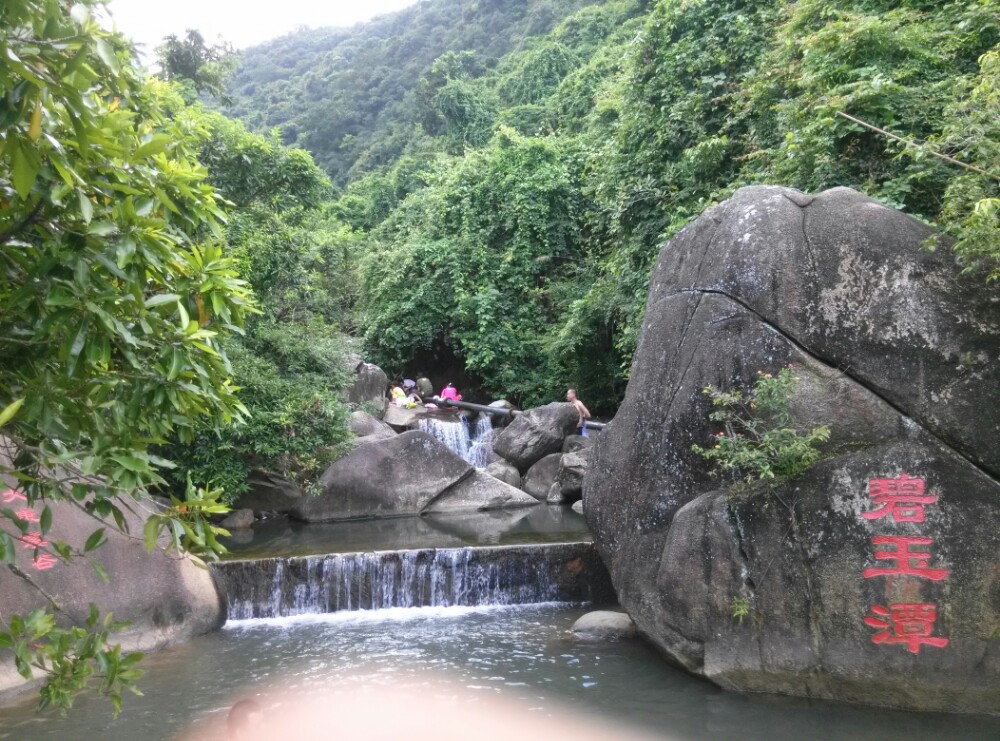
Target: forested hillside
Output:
{"points": [[510, 169], [349, 95]]}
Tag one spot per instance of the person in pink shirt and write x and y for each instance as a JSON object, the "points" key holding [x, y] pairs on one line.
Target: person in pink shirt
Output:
{"points": [[450, 392]]}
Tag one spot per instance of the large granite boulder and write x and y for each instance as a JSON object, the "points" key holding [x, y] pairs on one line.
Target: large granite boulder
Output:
{"points": [[168, 599], [535, 434], [795, 586], [368, 386], [408, 474], [540, 477]]}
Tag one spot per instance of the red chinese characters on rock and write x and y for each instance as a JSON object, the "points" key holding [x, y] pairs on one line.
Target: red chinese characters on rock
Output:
{"points": [[33, 539], [909, 623], [903, 499], [45, 561], [908, 562], [12, 495]]}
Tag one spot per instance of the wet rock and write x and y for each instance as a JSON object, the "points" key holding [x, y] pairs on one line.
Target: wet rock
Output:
{"points": [[238, 519], [604, 625], [480, 491], [506, 472], [540, 477], [167, 598], [401, 418], [578, 506], [763, 589], [410, 473], [535, 434]]}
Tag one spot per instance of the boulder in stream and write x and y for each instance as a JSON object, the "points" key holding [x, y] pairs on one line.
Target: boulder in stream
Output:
{"points": [[603, 625], [506, 472], [535, 434], [408, 474], [269, 492], [873, 576], [540, 477], [572, 470]]}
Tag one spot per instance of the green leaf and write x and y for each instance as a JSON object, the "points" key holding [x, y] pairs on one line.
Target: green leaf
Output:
{"points": [[9, 411], [99, 570], [150, 533], [95, 540], [7, 552], [45, 519], [107, 55], [132, 463], [160, 299], [25, 166], [86, 207]]}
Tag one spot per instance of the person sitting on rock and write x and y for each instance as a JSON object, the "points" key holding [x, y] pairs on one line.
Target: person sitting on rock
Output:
{"points": [[397, 396], [581, 409], [450, 392]]}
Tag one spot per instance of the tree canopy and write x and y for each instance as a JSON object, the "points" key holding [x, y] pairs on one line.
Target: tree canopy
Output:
{"points": [[651, 111]]}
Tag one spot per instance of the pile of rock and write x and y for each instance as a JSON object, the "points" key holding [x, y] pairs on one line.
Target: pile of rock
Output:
{"points": [[391, 473]]}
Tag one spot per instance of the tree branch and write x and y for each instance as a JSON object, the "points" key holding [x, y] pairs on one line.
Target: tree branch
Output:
{"points": [[918, 145]]}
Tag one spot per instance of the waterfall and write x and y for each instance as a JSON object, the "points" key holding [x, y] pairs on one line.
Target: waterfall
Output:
{"points": [[475, 448], [445, 577]]}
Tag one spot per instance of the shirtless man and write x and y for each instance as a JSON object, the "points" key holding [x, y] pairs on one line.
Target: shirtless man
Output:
{"points": [[581, 409]]}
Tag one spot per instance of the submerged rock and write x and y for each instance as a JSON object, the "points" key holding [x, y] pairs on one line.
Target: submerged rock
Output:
{"points": [[238, 519], [604, 625], [535, 434], [814, 586]]}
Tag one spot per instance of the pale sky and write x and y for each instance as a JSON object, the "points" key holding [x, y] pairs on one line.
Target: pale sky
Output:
{"points": [[241, 22]]}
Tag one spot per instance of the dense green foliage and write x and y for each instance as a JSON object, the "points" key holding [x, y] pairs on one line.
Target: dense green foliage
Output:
{"points": [[289, 365], [347, 95], [125, 331], [115, 300], [514, 194], [760, 439]]}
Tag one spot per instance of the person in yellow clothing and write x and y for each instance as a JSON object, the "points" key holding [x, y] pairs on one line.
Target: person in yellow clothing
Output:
{"points": [[397, 396]]}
